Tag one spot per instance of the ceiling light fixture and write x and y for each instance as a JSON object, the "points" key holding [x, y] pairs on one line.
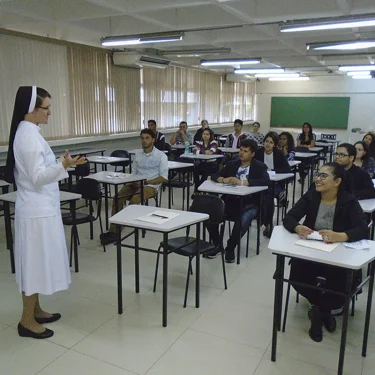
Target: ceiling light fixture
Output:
{"points": [[359, 73], [348, 68], [256, 71], [289, 79], [277, 75], [369, 76], [342, 45], [196, 52], [230, 62], [131, 40], [328, 25]]}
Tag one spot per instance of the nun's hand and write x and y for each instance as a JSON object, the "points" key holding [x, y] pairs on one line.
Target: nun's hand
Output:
{"points": [[69, 161]]}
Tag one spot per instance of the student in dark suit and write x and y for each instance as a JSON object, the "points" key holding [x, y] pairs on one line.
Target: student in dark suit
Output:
{"points": [[246, 171], [332, 210], [363, 188], [275, 161], [160, 138]]}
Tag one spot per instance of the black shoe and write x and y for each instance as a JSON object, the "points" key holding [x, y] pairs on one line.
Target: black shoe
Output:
{"points": [[107, 238], [329, 322], [229, 256], [267, 232], [54, 318], [24, 332], [337, 312], [315, 331]]}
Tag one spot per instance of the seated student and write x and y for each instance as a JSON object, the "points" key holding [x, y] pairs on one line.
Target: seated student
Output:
{"points": [[247, 171], [256, 134], [149, 162], [363, 188], [207, 146], [305, 140], [182, 135], [198, 134], [369, 138], [235, 139], [332, 210], [159, 137], [275, 161], [363, 159], [286, 145]]}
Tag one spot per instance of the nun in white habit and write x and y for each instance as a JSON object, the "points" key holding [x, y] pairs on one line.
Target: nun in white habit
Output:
{"points": [[40, 251]]}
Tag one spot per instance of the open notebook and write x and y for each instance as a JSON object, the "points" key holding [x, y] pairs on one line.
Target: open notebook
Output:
{"points": [[318, 245]]}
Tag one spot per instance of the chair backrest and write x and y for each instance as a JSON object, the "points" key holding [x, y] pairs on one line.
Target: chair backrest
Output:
{"points": [[120, 154], [89, 188], [168, 147], [330, 137], [210, 205], [82, 170]]}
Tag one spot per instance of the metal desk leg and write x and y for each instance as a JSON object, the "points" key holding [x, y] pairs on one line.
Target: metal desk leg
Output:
{"points": [[130, 163], [188, 191], [294, 186], [348, 287], [368, 309], [165, 279], [119, 269], [169, 190], [8, 233], [197, 266], [142, 192], [75, 233], [239, 240], [106, 205], [136, 258]]}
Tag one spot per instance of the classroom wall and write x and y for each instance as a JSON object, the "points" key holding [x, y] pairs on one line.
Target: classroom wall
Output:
{"points": [[361, 93]]}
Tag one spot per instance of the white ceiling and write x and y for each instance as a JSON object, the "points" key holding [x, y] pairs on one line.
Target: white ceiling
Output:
{"points": [[86, 21]]}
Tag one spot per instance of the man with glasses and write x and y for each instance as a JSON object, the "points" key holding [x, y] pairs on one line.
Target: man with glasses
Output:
{"points": [[362, 183]]}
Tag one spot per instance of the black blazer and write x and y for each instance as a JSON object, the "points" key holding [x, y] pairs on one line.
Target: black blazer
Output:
{"points": [[348, 217], [280, 164], [363, 187]]}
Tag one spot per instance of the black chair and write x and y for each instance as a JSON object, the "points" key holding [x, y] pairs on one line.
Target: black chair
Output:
{"points": [[122, 164], [90, 190], [79, 172], [186, 246]]}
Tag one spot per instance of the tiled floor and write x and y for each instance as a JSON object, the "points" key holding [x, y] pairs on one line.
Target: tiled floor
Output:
{"points": [[229, 334]]}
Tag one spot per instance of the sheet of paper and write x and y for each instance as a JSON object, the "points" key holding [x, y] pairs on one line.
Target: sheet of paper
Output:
{"points": [[271, 173], [358, 245], [318, 245], [158, 217]]}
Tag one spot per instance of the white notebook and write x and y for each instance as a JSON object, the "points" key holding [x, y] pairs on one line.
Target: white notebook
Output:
{"points": [[158, 217], [318, 245]]}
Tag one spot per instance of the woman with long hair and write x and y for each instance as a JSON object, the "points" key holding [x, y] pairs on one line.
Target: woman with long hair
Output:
{"points": [[256, 134], [369, 138], [286, 145], [40, 252], [335, 213], [363, 159], [307, 138]]}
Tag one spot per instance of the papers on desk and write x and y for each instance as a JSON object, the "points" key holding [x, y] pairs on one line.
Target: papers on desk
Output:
{"points": [[358, 245], [318, 245], [271, 173], [158, 217], [118, 175]]}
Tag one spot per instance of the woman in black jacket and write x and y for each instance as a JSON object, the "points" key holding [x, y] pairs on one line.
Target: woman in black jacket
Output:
{"points": [[332, 210], [275, 161]]}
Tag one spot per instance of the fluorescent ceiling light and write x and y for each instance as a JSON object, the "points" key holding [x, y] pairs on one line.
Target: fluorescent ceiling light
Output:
{"points": [[255, 71], [289, 79], [348, 68], [229, 62], [195, 52], [131, 40], [344, 45], [359, 73], [369, 76], [329, 25], [273, 75]]}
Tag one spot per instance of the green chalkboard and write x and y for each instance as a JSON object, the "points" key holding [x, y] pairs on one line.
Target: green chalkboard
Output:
{"points": [[321, 112]]}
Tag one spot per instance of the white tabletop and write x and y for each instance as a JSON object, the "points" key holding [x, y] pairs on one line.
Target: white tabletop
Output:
{"points": [[202, 157], [3, 183], [283, 242], [105, 159], [368, 205], [178, 165], [223, 138], [229, 150], [115, 178], [316, 149], [293, 163], [373, 181], [85, 151], [281, 176], [209, 186], [305, 154], [324, 144], [180, 146], [128, 217], [64, 196]]}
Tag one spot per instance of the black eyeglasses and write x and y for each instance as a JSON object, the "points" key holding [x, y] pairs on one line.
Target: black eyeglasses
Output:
{"points": [[339, 155], [321, 175]]}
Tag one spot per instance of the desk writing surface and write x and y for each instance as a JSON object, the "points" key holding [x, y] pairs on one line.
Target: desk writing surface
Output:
{"points": [[316, 149], [293, 163], [305, 154], [325, 144], [178, 165], [209, 186], [3, 183], [229, 150], [64, 196], [282, 242], [202, 157], [368, 205], [128, 217], [281, 176], [116, 178], [105, 159], [85, 151]]}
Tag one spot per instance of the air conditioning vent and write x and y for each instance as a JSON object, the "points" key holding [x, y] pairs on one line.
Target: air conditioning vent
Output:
{"points": [[136, 60], [154, 60]]}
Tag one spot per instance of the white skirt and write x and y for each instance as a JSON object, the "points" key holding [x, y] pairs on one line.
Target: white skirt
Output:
{"points": [[40, 253]]}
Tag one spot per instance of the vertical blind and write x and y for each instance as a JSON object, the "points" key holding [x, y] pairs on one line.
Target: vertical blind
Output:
{"points": [[91, 96]]}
